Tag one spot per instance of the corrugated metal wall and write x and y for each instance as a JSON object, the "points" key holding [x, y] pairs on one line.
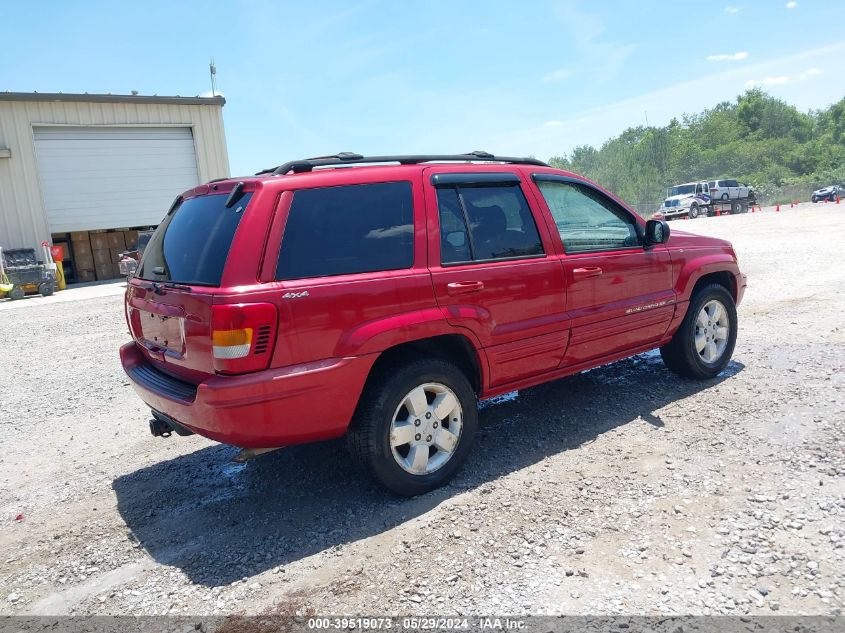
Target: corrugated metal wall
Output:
{"points": [[23, 219]]}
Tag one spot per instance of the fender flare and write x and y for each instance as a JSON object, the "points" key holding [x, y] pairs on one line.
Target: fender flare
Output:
{"points": [[697, 267]]}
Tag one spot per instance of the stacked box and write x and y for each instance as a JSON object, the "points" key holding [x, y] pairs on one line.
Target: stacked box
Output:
{"points": [[99, 241], [131, 238], [116, 241], [82, 256]]}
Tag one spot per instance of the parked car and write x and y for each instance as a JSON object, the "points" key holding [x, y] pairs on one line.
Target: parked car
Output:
{"points": [[729, 189], [828, 193], [383, 301]]}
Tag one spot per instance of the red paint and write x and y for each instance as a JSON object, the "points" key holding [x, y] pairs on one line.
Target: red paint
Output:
{"points": [[528, 321]]}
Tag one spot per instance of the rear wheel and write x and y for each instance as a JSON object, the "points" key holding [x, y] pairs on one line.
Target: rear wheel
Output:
{"points": [[45, 289], [414, 426], [703, 345]]}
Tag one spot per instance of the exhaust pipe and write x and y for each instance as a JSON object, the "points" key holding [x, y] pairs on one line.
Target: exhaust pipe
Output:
{"points": [[159, 428]]}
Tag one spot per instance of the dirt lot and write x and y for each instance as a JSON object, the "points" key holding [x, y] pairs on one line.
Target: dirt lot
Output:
{"points": [[621, 490]]}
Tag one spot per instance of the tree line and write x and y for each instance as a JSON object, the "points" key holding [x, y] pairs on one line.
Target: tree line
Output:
{"points": [[758, 139]]}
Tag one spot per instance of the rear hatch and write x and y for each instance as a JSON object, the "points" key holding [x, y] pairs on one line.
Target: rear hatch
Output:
{"points": [[169, 301]]}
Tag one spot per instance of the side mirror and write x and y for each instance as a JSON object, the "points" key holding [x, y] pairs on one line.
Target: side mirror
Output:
{"points": [[656, 232]]}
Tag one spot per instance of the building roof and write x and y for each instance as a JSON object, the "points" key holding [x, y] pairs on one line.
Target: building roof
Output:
{"points": [[109, 98]]}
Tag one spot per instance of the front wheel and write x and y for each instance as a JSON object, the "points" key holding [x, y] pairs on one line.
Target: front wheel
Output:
{"points": [[814, 199], [414, 425], [693, 212], [704, 343]]}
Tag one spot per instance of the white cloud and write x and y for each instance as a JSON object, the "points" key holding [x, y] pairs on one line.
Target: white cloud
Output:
{"points": [[779, 80], [768, 81], [207, 94], [552, 124], [558, 75], [791, 4], [731, 9], [727, 57]]}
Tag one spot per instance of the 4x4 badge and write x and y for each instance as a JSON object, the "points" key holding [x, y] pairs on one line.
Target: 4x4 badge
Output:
{"points": [[295, 295]]}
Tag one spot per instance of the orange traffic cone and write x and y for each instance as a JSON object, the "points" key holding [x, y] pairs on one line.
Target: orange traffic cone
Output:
{"points": [[777, 208], [752, 208], [837, 199]]}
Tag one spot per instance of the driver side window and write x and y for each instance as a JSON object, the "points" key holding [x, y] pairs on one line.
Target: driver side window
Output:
{"points": [[585, 220]]}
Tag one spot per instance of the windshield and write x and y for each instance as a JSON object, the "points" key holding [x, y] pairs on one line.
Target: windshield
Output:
{"points": [[680, 190], [192, 243]]}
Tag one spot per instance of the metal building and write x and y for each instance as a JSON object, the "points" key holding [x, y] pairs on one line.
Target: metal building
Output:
{"points": [[89, 162]]}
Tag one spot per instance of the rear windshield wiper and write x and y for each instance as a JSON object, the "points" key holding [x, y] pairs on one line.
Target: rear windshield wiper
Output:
{"points": [[158, 286]]}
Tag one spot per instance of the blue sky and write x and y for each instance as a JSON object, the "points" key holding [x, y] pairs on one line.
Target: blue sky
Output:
{"points": [[310, 78]]}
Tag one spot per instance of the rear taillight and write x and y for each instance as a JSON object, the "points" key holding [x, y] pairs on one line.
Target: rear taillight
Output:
{"points": [[242, 336], [713, 190]]}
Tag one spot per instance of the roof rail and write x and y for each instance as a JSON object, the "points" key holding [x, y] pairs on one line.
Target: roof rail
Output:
{"points": [[350, 158]]}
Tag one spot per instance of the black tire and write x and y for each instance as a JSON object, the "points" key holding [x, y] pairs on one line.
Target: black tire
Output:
{"points": [[725, 196], [814, 199], [368, 438], [693, 212], [680, 355], [16, 293], [45, 289]]}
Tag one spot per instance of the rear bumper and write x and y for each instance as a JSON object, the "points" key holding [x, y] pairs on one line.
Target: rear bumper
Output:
{"points": [[276, 407]]}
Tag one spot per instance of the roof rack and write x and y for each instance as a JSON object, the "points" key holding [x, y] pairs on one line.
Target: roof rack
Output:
{"points": [[350, 158]]}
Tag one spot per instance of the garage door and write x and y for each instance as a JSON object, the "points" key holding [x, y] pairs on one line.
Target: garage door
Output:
{"points": [[110, 177]]}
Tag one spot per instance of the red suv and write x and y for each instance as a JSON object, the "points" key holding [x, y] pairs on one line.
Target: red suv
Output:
{"points": [[382, 297]]}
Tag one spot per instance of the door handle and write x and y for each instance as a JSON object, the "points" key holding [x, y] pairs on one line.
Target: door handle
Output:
{"points": [[586, 273], [464, 287]]}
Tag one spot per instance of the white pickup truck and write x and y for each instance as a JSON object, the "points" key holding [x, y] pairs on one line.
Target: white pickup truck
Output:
{"points": [[696, 199]]}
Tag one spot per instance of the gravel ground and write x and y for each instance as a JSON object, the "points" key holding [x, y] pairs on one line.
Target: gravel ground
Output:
{"points": [[623, 490]]}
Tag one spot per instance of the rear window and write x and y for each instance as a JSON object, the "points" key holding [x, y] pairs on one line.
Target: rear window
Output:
{"points": [[192, 243], [348, 229]]}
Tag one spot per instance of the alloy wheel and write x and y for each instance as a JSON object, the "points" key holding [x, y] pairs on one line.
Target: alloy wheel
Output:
{"points": [[712, 329], [426, 428]]}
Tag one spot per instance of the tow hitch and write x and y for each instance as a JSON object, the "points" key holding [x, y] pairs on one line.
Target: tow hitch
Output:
{"points": [[164, 426]]}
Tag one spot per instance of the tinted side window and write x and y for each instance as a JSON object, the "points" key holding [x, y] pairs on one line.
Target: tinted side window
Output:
{"points": [[454, 241], [731, 183], [586, 220], [499, 220], [348, 229]]}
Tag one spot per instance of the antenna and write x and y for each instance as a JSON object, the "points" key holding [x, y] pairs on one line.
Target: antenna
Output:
{"points": [[212, 69]]}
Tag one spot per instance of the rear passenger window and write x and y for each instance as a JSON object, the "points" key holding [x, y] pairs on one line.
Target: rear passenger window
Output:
{"points": [[348, 229], [479, 223]]}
